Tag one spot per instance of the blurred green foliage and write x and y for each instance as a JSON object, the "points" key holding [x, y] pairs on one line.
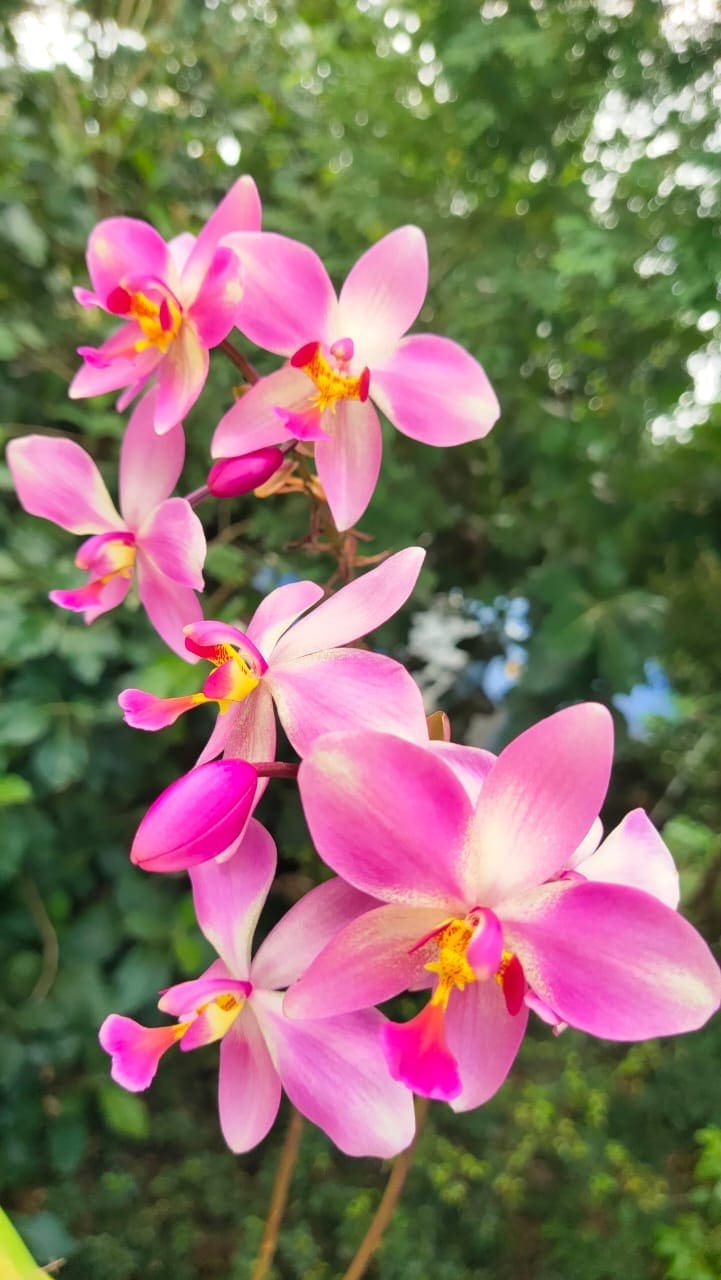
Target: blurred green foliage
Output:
{"points": [[561, 159]]}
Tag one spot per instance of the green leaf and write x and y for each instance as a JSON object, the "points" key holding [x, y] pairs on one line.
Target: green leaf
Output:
{"points": [[16, 1262], [123, 1112], [14, 789]]}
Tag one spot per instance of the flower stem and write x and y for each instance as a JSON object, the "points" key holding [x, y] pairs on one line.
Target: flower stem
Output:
{"points": [[274, 769], [389, 1200], [240, 361], [279, 1196], [198, 495]]}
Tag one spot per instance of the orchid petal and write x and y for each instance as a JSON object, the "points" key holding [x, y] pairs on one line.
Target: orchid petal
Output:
{"points": [[355, 610], [94, 599], [349, 459], [384, 292], [181, 378], [432, 390], [59, 481], [197, 817], [145, 711], [228, 897], [150, 465], [344, 689], [540, 799], [484, 1039], [279, 610], [252, 422], [388, 817], [170, 606], [215, 308], [246, 731], [288, 298], [334, 1073], [123, 247], [612, 961], [181, 247], [136, 1050], [372, 959], [305, 929], [239, 210], [248, 1086], [417, 1054], [172, 538], [210, 638], [185, 999], [634, 854], [471, 765]]}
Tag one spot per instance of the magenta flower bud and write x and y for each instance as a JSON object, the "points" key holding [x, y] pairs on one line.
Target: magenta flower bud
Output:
{"points": [[230, 477], [197, 817]]}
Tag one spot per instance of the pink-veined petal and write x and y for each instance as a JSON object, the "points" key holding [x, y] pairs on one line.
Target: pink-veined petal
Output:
{"points": [[612, 961], [170, 606], [186, 998], [145, 711], [418, 1055], [119, 248], [59, 481], [173, 539], [197, 817], [484, 1039], [334, 1073], [94, 599], [305, 929], [383, 293], [288, 299], [246, 731], [588, 845], [215, 308], [135, 1050], [388, 817], [471, 765], [248, 1085], [279, 610], [150, 465], [372, 959], [209, 638], [349, 461], [252, 422], [634, 854], [344, 689], [539, 800], [355, 610], [239, 210], [432, 390], [181, 247], [228, 897], [181, 378]]}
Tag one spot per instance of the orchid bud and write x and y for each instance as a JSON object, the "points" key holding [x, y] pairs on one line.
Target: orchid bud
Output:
{"points": [[197, 817], [229, 477]]}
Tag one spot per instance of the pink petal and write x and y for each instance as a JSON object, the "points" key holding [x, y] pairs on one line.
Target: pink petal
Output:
{"points": [[484, 1039], [634, 854], [383, 293], [540, 799], [372, 959], [613, 961], [93, 599], [434, 391], [136, 1050], [485, 949], [344, 689], [305, 929], [59, 481], [418, 1056], [172, 539], [239, 210], [170, 606], [145, 711], [216, 306], [197, 817], [246, 731], [150, 465], [278, 610], [288, 298], [334, 1073], [588, 845], [228, 897], [122, 247], [186, 998], [349, 460], [389, 818], [210, 638], [181, 378], [252, 422], [248, 1086], [231, 477], [356, 609], [471, 765], [181, 247]]}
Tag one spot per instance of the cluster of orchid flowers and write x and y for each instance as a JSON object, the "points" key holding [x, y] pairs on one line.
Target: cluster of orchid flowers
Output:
{"points": [[481, 882]]}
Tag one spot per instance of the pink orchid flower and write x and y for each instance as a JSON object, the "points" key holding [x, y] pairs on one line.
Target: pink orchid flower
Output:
{"points": [[301, 665], [158, 537], [345, 352], [333, 1071], [177, 301], [476, 904]]}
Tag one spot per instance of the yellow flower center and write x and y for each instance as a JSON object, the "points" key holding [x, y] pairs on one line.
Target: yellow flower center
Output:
{"points": [[452, 966], [159, 321], [332, 384]]}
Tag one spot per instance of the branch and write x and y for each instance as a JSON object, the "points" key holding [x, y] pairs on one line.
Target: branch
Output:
{"points": [[279, 1196]]}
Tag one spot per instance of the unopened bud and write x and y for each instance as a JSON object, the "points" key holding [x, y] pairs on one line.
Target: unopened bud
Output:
{"points": [[197, 817], [230, 477]]}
